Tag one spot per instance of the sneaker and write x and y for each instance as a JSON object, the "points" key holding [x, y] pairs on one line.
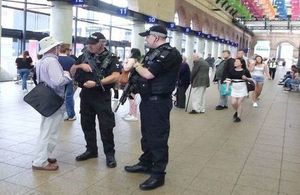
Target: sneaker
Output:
{"points": [[24, 90], [194, 112], [130, 118], [255, 105], [70, 118], [235, 115], [237, 120], [219, 107]]}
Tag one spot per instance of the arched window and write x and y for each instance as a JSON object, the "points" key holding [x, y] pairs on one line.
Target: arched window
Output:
{"points": [[176, 19]]}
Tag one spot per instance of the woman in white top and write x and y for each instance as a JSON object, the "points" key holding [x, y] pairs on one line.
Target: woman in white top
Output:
{"points": [[133, 103], [258, 72]]}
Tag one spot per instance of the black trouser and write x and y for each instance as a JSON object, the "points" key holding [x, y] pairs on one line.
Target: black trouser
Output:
{"points": [[180, 96], [155, 127], [272, 72], [100, 105]]}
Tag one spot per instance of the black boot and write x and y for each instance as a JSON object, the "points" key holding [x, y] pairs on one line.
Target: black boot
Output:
{"points": [[86, 155], [111, 161], [152, 183], [137, 168]]}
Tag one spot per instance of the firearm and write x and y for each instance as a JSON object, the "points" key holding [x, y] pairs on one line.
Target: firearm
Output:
{"points": [[96, 72], [128, 89]]}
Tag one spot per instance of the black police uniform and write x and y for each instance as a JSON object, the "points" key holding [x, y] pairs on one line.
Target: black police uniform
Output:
{"points": [[95, 101], [163, 62]]}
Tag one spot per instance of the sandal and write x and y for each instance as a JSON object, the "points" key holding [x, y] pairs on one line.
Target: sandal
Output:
{"points": [[48, 167]]}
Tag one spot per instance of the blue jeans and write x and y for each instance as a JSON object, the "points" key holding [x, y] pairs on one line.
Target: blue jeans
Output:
{"points": [[69, 100], [288, 83], [24, 73]]}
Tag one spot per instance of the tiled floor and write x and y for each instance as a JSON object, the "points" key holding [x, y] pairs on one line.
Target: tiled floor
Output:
{"points": [[209, 154]]}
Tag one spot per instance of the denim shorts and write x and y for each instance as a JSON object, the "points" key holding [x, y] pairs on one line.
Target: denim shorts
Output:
{"points": [[258, 79]]}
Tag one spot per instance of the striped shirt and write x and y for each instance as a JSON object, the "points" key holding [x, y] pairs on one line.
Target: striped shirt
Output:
{"points": [[49, 70]]}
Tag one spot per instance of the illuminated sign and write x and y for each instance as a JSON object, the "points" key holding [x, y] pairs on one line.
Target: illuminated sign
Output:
{"points": [[78, 2], [122, 11], [187, 30], [172, 25], [151, 19]]}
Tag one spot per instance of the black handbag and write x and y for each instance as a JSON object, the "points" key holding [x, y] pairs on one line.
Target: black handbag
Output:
{"points": [[44, 99], [250, 85]]}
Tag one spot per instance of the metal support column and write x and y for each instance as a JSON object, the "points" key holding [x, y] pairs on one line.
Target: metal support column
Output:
{"points": [[23, 44]]}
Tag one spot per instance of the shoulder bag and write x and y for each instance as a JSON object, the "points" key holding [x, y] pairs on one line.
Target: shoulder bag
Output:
{"points": [[44, 99]]}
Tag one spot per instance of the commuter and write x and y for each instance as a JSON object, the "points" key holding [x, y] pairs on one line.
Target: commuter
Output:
{"points": [[272, 67], [295, 80], [157, 79], [241, 54], [199, 83], [96, 72], [237, 77], [134, 101], [183, 83], [218, 61], [258, 71], [210, 60], [66, 62], [50, 72], [24, 66], [221, 72]]}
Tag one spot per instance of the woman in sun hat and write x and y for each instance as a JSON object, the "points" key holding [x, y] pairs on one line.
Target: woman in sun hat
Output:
{"points": [[50, 72]]}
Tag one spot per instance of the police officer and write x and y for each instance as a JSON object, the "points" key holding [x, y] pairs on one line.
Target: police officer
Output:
{"points": [[160, 69], [96, 72]]}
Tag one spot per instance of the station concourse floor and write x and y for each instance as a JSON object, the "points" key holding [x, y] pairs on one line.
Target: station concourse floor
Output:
{"points": [[209, 154]]}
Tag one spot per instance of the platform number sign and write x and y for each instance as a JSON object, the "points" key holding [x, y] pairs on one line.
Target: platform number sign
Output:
{"points": [[187, 30], [78, 2], [172, 25], [151, 19], [123, 11]]}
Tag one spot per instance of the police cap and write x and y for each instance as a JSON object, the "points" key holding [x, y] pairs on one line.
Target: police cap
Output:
{"points": [[95, 38], [155, 30]]}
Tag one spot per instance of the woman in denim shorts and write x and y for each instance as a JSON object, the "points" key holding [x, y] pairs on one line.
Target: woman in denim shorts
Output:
{"points": [[258, 71]]}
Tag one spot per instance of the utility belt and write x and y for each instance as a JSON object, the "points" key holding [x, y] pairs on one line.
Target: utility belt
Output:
{"points": [[156, 97], [237, 81]]}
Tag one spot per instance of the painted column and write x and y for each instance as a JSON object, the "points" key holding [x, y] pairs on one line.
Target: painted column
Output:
{"points": [[200, 46], [222, 47], [189, 49], [215, 48], [61, 17], [233, 51], [176, 40], [136, 40], [208, 48]]}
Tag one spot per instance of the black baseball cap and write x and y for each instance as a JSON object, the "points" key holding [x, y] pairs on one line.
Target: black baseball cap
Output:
{"points": [[95, 38], [155, 30]]}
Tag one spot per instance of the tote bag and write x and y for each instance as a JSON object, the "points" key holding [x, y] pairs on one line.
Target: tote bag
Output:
{"points": [[224, 91], [44, 99]]}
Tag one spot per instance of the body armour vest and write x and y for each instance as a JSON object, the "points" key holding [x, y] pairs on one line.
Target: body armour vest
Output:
{"points": [[99, 65], [164, 83]]}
